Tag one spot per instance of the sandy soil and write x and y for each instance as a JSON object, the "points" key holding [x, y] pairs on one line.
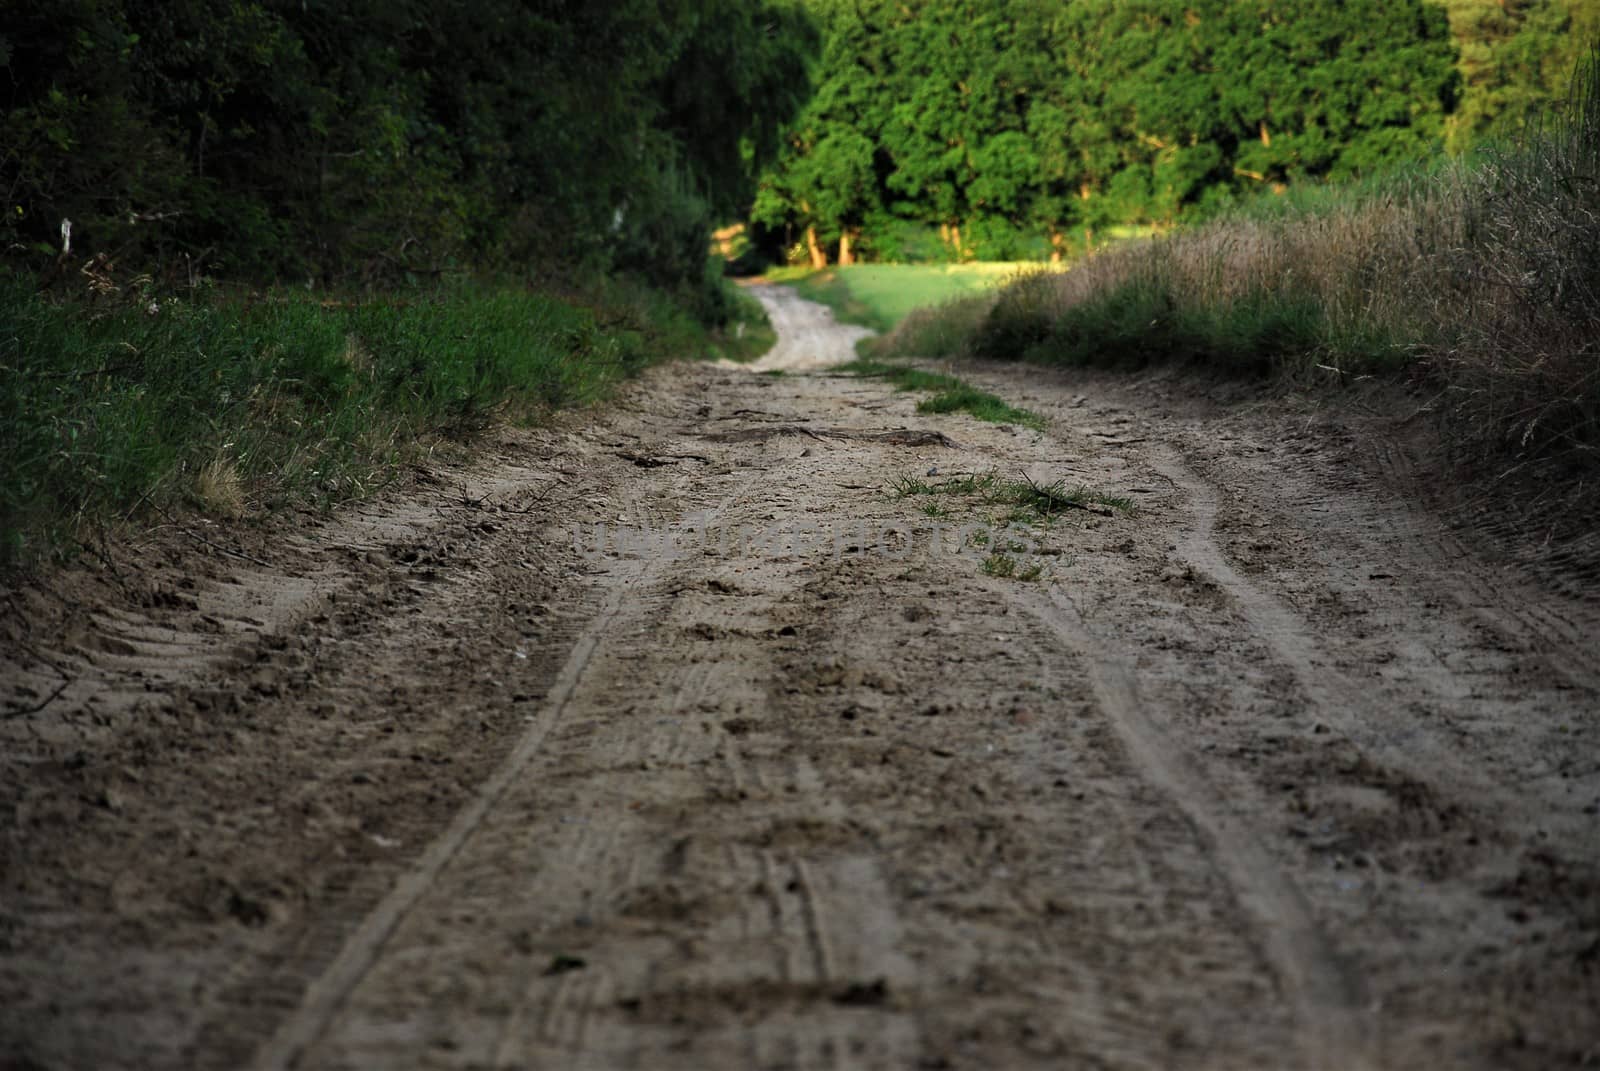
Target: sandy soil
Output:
{"points": [[670, 737]]}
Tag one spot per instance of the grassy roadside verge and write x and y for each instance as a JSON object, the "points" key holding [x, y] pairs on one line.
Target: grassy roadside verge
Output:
{"points": [[1482, 278], [949, 394], [111, 410]]}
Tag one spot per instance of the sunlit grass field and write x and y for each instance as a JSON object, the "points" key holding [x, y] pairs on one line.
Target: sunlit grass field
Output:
{"points": [[879, 296]]}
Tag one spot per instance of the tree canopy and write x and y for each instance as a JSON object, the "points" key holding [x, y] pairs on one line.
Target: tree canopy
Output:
{"points": [[1516, 57], [331, 138], [1009, 126]]}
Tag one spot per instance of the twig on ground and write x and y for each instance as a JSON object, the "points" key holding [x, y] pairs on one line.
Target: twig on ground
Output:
{"points": [[25, 712], [198, 538], [652, 461], [538, 499]]}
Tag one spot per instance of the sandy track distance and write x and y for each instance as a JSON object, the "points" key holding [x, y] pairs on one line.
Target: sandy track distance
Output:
{"points": [[672, 738]]}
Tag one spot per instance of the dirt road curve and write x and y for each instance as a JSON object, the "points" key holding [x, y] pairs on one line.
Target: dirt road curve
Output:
{"points": [[672, 738]]}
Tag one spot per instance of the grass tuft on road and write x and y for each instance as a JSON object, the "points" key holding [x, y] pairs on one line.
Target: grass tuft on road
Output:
{"points": [[1001, 510], [1003, 566], [950, 395], [1031, 501]]}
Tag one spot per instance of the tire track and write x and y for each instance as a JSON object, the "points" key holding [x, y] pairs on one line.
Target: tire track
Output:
{"points": [[563, 1012], [1327, 1001], [324, 998], [1338, 700], [1563, 636]]}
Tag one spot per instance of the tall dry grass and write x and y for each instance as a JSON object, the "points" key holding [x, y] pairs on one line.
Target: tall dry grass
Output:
{"points": [[1483, 274], [1525, 353]]}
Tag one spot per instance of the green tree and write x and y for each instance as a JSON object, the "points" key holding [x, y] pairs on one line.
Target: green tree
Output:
{"points": [[1517, 56], [372, 138], [1016, 120]]}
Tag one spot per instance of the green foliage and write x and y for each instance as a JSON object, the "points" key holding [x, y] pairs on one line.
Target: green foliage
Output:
{"points": [[1013, 126], [1516, 60], [962, 398], [1145, 322], [108, 410], [1482, 276], [381, 140], [879, 296], [1527, 359]]}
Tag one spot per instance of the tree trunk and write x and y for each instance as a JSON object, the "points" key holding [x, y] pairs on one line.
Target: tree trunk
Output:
{"points": [[955, 239], [1055, 246], [846, 258], [819, 258]]}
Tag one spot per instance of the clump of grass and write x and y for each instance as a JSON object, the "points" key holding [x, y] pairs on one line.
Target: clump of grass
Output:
{"points": [[232, 405], [219, 490], [1026, 503], [937, 331], [1056, 498], [906, 486], [1483, 275], [1005, 567], [1033, 501], [1524, 357], [980, 485], [981, 404], [902, 376], [950, 395]]}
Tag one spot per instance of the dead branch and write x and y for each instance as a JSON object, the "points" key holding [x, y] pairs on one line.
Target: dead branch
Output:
{"points": [[26, 712], [198, 538]]}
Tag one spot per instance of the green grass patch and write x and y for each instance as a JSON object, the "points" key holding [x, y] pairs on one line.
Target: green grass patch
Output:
{"points": [[1057, 498], [1030, 501], [1005, 567], [984, 406], [950, 395], [234, 405], [1144, 321], [880, 296]]}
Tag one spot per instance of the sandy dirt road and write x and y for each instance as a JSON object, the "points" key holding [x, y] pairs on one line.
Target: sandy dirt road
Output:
{"points": [[673, 737]]}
